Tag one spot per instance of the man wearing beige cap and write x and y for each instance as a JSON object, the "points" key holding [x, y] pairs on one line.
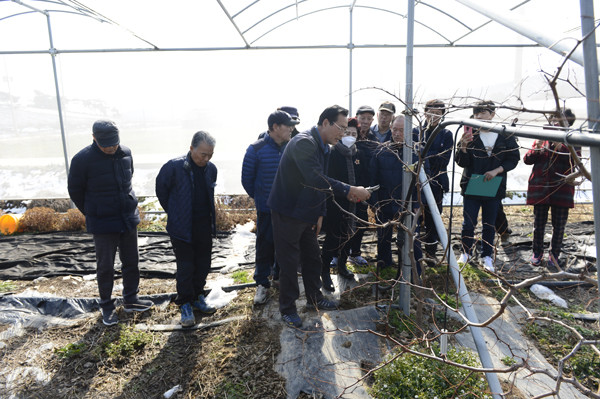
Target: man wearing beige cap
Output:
{"points": [[385, 115]]}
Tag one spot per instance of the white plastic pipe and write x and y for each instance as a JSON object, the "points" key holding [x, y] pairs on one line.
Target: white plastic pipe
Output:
{"points": [[463, 293]]}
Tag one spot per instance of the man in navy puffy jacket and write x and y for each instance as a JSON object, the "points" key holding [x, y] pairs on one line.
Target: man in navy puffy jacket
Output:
{"points": [[298, 204], [258, 172], [99, 184], [185, 188]]}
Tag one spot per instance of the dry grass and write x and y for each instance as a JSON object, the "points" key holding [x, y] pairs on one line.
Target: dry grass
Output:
{"points": [[40, 219], [72, 220], [234, 210]]}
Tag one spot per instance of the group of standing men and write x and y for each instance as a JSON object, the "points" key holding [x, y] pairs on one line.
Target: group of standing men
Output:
{"points": [[335, 168], [330, 171]]}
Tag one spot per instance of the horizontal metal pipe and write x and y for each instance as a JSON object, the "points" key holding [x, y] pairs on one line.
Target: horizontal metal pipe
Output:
{"points": [[200, 49], [572, 137]]}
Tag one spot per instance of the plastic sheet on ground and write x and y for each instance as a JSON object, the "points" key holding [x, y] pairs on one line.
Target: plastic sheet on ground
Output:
{"points": [[29, 256], [328, 356]]}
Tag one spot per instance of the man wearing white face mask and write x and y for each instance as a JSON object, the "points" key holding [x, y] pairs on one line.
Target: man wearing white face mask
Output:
{"points": [[340, 226]]}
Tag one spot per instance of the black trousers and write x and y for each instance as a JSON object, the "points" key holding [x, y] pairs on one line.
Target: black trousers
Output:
{"points": [[265, 249], [501, 221], [296, 243], [193, 262], [338, 239], [106, 250], [356, 240]]}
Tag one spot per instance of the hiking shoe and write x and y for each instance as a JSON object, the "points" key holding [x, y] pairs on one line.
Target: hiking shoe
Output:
{"points": [[262, 295], [323, 304], [464, 259], [187, 315], [536, 260], [358, 260], [488, 264], [292, 320], [138, 305], [333, 263], [505, 237], [202, 306], [109, 317]]}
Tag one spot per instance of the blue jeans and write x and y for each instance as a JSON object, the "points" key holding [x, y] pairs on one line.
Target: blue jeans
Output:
{"points": [[265, 249], [489, 210]]}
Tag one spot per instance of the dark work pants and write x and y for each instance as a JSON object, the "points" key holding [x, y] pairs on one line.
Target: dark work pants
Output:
{"points": [[384, 238], [430, 238], [337, 240], [489, 208], [265, 249], [296, 243], [193, 262], [501, 221], [356, 240], [106, 250]]}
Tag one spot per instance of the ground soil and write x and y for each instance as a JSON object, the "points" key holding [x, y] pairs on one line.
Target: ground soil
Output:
{"points": [[235, 360]]}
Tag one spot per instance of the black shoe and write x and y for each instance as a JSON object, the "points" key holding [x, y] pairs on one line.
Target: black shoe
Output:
{"points": [[344, 272], [109, 317], [327, 282], [138, 305], [323, 304]]}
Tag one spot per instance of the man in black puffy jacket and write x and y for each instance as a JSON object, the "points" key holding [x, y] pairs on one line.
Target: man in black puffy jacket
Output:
{"points": [[185, 188], [99, 184]]}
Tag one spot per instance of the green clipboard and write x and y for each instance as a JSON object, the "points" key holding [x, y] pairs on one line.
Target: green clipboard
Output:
{"points": [[482, 188]]}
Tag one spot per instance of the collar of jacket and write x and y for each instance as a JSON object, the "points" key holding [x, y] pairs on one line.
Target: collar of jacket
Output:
{"points": [[118, 154], [317, 136], [269, 140]]}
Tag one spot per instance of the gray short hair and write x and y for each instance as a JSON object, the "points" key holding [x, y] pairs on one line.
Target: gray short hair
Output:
{"points": [[203, 137]]}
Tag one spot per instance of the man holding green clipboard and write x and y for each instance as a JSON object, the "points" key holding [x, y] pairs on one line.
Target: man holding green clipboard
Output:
{"points": [[485, 158]]}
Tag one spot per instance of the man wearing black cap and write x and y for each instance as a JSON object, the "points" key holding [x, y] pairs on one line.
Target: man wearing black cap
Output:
{"points": [[99, 184], [385, 115], [293, 111], [258, 172]]}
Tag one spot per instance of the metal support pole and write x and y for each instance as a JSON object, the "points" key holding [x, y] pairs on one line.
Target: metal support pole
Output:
{"points": [[556, 44], [463, 293], [350, 49], [404, 297], [590, 66], [58, 101]]}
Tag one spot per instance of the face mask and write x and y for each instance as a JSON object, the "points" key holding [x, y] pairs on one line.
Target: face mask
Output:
{"points": [[348, 141]]}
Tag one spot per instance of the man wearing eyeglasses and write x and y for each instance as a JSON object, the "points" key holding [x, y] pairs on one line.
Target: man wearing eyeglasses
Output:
{"points": [[298, 204], [99, 184]]}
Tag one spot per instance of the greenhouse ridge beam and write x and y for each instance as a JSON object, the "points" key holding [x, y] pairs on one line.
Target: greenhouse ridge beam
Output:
{"points": [[237, 48]]}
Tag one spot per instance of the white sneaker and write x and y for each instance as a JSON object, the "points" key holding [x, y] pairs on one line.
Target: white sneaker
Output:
{"points": [[463, 259], [488, 263], [358, 260], [262, 295]]}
